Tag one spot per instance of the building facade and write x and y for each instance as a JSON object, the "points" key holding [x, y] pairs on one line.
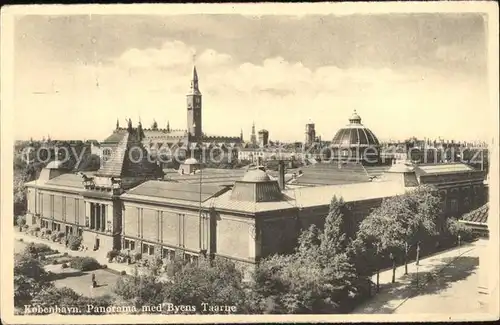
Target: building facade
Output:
{"points": [[310, 137], [171, 141], [127, 205], [263, 138]]}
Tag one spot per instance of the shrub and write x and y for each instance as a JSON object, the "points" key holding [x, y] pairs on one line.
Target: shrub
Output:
{"points": [[137, 256], [112, 254], [85, 263], [104, 266], [36, 249], [64, 265], [455, 228], [21, 221], [65, 260], [123, 273], [65, 254], [21, 240], [74, 242], [33, 230], [61, 234], [54, 261], [53, 237], [25, 227]]}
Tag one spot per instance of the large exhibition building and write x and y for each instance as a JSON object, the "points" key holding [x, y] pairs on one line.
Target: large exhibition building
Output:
{"points": [[243, 215]]}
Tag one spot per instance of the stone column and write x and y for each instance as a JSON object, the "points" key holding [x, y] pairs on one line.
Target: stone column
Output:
{"points": [[103, 216], [92, 215], [97, 216]]}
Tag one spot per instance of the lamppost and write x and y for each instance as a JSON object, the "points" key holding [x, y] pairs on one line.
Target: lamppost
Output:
{"points": [[458, 244], [417, 275], [378, 267], [418, 254], [391, 256], [406, 258]]}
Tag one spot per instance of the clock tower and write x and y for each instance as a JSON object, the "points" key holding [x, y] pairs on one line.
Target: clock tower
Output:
{"points": [[194, 110]]}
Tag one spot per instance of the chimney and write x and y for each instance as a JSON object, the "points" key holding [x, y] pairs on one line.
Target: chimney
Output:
{"points": [[281, 176]]}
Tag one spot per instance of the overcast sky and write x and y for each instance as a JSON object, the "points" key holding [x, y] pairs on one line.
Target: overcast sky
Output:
{"points": [[407, 75]]}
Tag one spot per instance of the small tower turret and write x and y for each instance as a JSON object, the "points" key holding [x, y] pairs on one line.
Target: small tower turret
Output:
{"points": [[253, 138], [140, 133]]}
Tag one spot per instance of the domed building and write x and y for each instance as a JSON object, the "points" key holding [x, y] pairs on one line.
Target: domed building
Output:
{"points": [[355, 142]]}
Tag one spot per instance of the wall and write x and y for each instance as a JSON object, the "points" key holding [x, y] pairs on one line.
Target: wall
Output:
{"points": [[106, 242], [235, 236], [174, 227], [277, 232]]}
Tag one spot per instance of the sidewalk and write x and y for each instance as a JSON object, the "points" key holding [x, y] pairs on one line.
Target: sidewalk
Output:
{"points": [[393, 295], [426, 264]]}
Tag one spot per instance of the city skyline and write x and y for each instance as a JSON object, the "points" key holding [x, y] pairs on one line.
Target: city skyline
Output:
{"points": [[428, 77]]}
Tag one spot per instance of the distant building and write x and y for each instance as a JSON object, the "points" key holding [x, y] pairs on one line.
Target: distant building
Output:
{"points": [[263, 138], [132, 204], [310, 137], [169, 140], [243, 216], [355, 142], [253, 138]]}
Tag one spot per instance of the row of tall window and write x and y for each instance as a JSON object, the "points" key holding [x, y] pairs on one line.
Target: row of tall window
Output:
{"points": [[98, 218], [166, 252], [50, 209]]}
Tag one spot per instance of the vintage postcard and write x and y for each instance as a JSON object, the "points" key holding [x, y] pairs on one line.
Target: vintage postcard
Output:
{"points": [[219, 163]]}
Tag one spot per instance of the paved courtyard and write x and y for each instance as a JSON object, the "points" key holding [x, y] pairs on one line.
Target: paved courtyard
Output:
{"points": [[447, 283], [76, 279], [81, 281]]}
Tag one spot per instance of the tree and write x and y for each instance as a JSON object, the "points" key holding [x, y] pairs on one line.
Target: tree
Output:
{"points": [[401, 222], [20, 221], [456, 228], [318, 278], [65, 297], [140, 289], [29, 278], [198, 283]]}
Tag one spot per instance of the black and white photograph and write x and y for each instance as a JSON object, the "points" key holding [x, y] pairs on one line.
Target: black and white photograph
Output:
{"points": [[249, 163]]}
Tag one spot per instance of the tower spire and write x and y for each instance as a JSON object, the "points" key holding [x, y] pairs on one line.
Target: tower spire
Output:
{"points": [[194, 123], [194, 80], [253, 138], [117, 124]]}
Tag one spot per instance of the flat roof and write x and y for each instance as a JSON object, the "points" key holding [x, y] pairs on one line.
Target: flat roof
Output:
{"points": [[171, 190], [425, 169], [321, 195]]}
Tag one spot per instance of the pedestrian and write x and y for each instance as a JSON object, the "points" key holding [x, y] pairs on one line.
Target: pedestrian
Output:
{"points": [[94, 282]]}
